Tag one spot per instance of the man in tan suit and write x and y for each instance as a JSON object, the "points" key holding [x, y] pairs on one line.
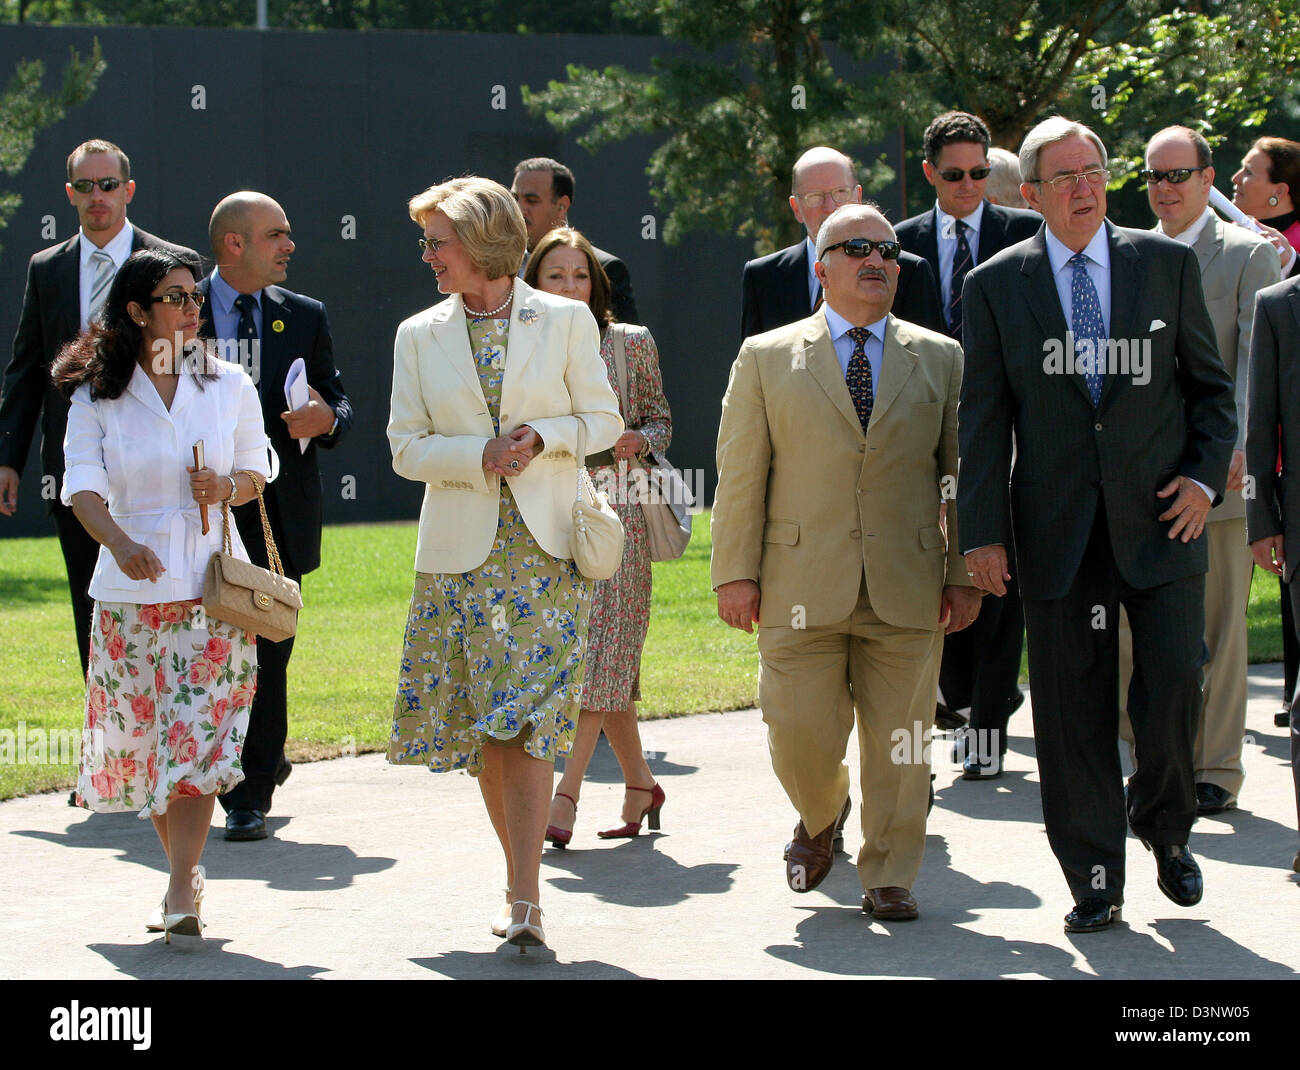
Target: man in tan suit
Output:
{"points": [[838, 442], [1235, 263]]}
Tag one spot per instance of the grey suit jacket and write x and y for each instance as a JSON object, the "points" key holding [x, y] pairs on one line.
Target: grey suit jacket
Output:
{"points": [[1179, 420]]}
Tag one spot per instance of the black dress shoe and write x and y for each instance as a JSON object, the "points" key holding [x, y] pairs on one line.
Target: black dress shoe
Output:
{"points": [[283, 770], [974, 768], [1282, 718], [1212, 799], [246, 825], [948, 720], [1017, 700], [1092, 915], [1177, 873], [72, 798], [930, 805]]}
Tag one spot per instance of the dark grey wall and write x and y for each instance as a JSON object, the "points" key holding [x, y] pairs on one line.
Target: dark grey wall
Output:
{"points": [[352, 124]]}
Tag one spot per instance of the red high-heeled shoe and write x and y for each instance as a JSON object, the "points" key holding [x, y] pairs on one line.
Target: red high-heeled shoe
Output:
{"points": [[558, 837], [650, 814]]}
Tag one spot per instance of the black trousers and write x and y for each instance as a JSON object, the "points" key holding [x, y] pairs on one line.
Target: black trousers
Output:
{"points": [[1074, 679], [80, 552], [1293, 590]]}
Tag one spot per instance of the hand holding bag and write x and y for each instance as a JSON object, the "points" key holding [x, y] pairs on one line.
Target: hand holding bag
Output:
{"points": [[262, 601], [596, 541]]}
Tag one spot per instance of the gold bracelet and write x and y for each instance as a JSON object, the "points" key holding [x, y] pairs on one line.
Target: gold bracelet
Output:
{"points": [[233, 490]]}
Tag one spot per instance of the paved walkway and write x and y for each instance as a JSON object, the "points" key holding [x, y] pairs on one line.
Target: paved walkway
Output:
{"points": [[376, 871]]}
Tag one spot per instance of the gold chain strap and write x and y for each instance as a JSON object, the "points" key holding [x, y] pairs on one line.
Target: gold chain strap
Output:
{"points": [[272, 553]]}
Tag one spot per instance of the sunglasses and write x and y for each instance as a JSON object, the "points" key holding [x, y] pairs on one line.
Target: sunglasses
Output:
{"points": [[85, 185], [1177, 176], [956, 174], [861, 248], [179, 298]]}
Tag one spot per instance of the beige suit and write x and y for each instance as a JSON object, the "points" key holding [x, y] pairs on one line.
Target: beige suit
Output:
{"points": [[1235, 263], [840, 531], [439, 422]]}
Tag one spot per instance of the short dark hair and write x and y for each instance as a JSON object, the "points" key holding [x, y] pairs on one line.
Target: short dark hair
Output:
{"points": [[1204, 158], [99, 145], [561, 177], [1283, 162], [952, 127]]}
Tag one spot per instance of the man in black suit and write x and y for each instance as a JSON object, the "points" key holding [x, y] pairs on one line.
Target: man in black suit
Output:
{"points": [[544, 190], [66, 285], [268, 328], [981, 665], [1273, 407], [781, 287], [1118, 461]]}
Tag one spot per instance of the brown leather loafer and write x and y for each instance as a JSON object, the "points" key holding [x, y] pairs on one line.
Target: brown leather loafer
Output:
{"points": [[808, 858], [890, 904]]}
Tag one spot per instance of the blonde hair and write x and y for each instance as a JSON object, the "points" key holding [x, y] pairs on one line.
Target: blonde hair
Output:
{"points": [[485, 217]]}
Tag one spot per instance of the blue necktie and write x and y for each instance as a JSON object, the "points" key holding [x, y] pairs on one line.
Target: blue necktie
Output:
{"points": [[246, 334], [961, 263], [1087, 322], [858, 376]]}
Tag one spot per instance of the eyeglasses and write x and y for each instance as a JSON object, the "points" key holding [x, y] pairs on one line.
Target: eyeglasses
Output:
{"points": [[1176, 177], [85, 185], [861, 248], [1064, 183], [815, 199], [956, 174], [179, 297], [432, 244]]}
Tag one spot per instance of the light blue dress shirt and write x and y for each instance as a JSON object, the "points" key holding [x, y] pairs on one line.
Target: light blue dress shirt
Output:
{"points": [[947, 238], [1098, 254], [225, 317], [875, 347]]}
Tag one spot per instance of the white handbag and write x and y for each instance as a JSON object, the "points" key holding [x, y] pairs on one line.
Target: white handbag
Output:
{"points": [[596, 540]]}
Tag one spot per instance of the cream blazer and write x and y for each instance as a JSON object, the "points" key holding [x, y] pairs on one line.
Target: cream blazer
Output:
{"points": [[439, 422]]}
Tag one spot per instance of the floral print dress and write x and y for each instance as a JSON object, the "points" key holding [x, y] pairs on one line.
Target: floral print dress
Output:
{"points": [[495, 653]]}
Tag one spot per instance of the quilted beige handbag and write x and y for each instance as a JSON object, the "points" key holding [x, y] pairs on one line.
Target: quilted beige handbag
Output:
{"points": [[262, 601], [596, 541]]}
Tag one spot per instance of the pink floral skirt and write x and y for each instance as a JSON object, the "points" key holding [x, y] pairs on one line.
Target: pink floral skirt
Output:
{"points": [[168, 693]]}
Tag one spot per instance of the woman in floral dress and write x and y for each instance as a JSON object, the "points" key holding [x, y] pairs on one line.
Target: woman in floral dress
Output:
{"points": [[168, 690], [489, 390], [564, 263]]}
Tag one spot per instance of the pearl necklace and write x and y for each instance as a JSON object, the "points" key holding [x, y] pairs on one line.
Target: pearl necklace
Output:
{"points": [[491, 312]]}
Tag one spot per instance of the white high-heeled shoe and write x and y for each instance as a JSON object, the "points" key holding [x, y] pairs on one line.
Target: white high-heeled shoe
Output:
{"points": [[156, 923], [521, 933], [501, 923]]}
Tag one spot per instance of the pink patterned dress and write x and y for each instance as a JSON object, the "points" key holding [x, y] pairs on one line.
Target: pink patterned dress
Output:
{"points": [[620, 613]]}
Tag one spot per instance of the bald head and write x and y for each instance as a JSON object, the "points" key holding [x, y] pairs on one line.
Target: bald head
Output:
{"points": [[250, 238], [232, 215], [822, 180], [854, 221]]}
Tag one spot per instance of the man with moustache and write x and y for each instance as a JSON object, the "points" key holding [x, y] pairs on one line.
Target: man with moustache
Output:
{"points": [[270, 327], [837, 432], [66, 285], [981, 665], [1235, 264], [1113, 481], [783, 286], [544, 190]]}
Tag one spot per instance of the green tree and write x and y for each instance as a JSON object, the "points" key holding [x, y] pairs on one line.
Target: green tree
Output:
{"points": [[26, 108]]}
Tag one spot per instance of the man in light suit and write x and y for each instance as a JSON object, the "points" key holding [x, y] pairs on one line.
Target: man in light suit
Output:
{"points": [[1273, 513], [271, 327], [1118, 462], [782, 287], [544, 189], [1235, 264], [66, 285], [838, 432], [981, 665]]}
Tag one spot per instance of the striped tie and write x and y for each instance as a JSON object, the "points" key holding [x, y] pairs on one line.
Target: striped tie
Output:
{"points": [[104, 271], [961, 264]]}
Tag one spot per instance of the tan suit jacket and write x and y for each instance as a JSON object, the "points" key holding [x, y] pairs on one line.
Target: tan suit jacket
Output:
{"points": [[439, 422], [806, 502]]}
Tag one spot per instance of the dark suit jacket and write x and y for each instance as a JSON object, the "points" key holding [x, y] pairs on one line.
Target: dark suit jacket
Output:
{"points": [[620, 282], [1181, 421], [1274, 402], [775, 292], [293, 500], [51, 317]]}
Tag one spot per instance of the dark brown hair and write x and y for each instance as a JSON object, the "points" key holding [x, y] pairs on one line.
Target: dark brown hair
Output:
{"points": [[1283, 163], [573, 239]]}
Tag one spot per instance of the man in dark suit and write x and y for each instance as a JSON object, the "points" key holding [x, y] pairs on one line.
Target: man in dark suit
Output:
{"points": [[781, 287], [1273, 407], [1118, 461], [66, 285], [268, 328], [544, 189], [981, 665]]}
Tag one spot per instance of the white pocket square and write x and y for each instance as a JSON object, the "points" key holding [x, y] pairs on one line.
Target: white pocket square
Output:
{"points": [[1156, 325]]}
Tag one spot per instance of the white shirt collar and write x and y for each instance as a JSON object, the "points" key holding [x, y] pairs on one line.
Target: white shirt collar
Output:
{"points": [[1189, 236], [119, 248], [839, 325], [1097, 250], [948, 223]]}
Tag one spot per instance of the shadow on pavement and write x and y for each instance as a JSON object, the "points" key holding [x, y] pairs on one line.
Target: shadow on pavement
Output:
{"points": [[189, 958]]}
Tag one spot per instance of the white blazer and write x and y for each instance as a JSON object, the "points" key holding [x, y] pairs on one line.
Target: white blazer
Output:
{"points": [[439, 422]]}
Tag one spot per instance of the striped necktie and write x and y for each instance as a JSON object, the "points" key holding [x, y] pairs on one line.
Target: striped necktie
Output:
{"points": [[962, 262], [105, 269]]}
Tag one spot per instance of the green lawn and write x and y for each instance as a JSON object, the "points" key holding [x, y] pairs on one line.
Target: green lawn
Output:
{"points": [[349, 638]]}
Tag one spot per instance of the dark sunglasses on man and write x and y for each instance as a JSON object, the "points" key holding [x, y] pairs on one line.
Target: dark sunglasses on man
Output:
{"points": [[1176, 177], [85, 185], [861, 248], [956, 174]]}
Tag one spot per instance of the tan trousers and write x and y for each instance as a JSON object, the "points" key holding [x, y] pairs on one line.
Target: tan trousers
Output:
{"points": [[810, 682], [1217, 751]]}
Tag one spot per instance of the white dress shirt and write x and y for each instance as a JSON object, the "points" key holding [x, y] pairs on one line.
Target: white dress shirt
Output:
{"points": [[947, 238], [814, 285], [1098, 268], [1188, 236], [132, 451], [119, 249]]}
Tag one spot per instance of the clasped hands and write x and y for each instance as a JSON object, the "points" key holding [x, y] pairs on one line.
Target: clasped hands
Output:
{"points": [[509, 454]]}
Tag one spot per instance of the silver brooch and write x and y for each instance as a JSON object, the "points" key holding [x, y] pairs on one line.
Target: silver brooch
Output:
{"points": [[527, 315]]}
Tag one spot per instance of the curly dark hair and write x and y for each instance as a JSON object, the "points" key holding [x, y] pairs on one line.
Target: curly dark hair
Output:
{"points": [[952, 127], [105, 353]]}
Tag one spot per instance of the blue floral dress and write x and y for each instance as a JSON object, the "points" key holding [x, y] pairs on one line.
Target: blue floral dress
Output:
{"points": [[495, 653]]}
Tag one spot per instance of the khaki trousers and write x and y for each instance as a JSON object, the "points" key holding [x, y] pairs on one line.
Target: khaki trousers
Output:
{"points": [[810, 682], [1216, 753]]}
